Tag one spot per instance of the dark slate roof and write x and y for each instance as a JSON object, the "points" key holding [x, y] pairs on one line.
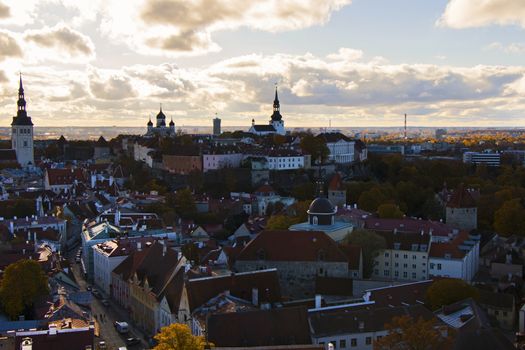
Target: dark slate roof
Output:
{"points": [[262, 128], [283, 245], [363, 319], [101, 142], [498, 300], [240, 285], [330, 137], [284, 326], [333, 286], [403, 294], [321, 205], [22, 120]]}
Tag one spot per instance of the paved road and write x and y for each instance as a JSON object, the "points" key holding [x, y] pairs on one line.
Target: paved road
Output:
{"points": [[110, 314]]}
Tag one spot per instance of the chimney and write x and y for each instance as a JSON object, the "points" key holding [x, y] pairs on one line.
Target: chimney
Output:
{"points": [[34, 237], [11, 227], [164, 249], [255, 296], [139, 246], [318, 301]]}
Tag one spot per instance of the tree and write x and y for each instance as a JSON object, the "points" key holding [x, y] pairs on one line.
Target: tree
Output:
{"points": [[389, 211], [184, 203], [370, 200], [177, 336], [370, 242], [23, 282], [510, 218], [281, 222], [315, 147], [405, 333], [448, 291]]}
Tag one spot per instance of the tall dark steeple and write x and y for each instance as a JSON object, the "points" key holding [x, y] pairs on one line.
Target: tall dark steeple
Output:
{"points": [[276, 108], [21, 114]]}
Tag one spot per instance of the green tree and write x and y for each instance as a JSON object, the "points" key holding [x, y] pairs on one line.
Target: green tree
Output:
{"points": [[389, 211], [370, 200], [280, 222], [510, 218], [178, 336], [315, 147], [370, 242], [23, 282], [405, 333], [447, 291], [184, 203]]}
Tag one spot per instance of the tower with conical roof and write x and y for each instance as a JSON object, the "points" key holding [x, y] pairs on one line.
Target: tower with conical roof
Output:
{"points": [[22, 131], [277, 119]]}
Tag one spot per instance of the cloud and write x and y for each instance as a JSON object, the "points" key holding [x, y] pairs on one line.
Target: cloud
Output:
{"points": [[62, 37], [180, 27], [467, 13], [4, 11], [512, 48], [112, 87], [8, 46]]}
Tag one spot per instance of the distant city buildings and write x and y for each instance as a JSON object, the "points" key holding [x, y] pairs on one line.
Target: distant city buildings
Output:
{"points": [[482, 158]]}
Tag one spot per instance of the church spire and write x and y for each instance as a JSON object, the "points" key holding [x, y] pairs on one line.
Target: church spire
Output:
{"points": [[276, 116], [21, 100]]}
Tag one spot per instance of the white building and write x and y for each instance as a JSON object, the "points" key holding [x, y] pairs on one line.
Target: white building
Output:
{"points": [[342, 148], [485, 158], [22, 132], [218, 161], [285, 160]]}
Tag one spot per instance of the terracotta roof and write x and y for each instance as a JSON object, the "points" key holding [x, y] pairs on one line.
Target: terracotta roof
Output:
{"points": [[333, 286], [240, 285], [64, 176], [461, 198], [265, 189], [282, 326], [282, 245]]}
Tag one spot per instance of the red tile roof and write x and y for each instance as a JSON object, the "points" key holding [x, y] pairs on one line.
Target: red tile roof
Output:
{"points": [[461, 198], [64, 176], [282, 245], [336, 184]]}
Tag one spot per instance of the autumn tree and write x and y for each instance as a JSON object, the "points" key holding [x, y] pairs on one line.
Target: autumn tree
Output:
{"points": [[281, 222], [23, 282], [370, 242], [315, 147], [510, 218], [447, 291], [178, 336], [184, 203], [389, 211], [405, 333]]}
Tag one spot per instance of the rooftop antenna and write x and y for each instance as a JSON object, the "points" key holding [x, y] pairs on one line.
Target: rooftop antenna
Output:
{"points": [[405, 126]]}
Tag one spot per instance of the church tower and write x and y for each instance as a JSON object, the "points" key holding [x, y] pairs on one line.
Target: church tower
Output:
{"points": [[277, 119], [22, 132]]}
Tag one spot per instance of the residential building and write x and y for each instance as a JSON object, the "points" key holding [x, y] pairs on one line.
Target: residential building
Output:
{"points": [[279, 160], [62, 180], [182, 164], [298, 256], [60, 335], [501, 306], [215, 161], [95, 233]]}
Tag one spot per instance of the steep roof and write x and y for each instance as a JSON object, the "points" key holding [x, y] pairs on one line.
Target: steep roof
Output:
{"points": [[403, 294], [331, 137], [283, 245], [336, 184], [240, 285], [64, 176], [263, 128], [461, 198]]}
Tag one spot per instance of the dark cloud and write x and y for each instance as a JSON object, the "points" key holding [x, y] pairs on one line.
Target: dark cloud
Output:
{"points": [[4, 11], [113, 88], [8, 46], [64, 37], [76, 91]]}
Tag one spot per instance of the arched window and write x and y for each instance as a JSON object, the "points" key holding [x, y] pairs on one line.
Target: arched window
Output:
{"points": [[315, 220]]}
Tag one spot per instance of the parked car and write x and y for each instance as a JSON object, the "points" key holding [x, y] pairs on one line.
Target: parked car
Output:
{"points": [[105, 302], [102, 345], [132, 341], [97, 294], [121, 327]]}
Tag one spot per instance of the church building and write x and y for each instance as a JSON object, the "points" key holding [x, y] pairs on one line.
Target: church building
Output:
{"points": [[22, 132], [160, 129], [276, 125]]}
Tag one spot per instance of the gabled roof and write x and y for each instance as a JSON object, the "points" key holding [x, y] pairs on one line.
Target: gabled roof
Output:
{"points": [[283, 245], [64, 176], [461, 198], [263, 128], [331, 137], [240, 285]]}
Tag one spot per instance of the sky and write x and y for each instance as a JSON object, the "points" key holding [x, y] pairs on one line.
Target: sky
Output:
{"points": [[351, 63]]}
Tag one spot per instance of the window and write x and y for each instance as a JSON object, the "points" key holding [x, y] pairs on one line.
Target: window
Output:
{"points": [[353, 342], [432, 265], [376, 272], [405, 256], [342, 343], [386, 255], [397, 246], [439, 266], [413, 275], [25, 143], [396, 264], [315, 220], [396, 273], [405, 274], [386, 272], [368, 340], [405, 265], [386, 263], [414, 257], [334, 343], [396, 255], [414, 266]]}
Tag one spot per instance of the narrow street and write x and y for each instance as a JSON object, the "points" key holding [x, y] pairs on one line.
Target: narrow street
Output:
{"points": [[105, 317]]}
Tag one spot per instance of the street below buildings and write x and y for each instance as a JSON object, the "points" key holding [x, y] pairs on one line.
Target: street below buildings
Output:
{"points": [[105, 317]]}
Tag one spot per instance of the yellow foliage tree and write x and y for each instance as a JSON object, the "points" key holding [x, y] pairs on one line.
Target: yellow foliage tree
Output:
{"points": [[178, 336]]}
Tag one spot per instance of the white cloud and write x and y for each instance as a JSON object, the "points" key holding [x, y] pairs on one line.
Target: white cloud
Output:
{"points": [[9, 46], [469, 13], [512, 48]]}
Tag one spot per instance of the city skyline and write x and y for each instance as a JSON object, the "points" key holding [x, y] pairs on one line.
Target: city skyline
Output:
{"points": [[349, 63]]}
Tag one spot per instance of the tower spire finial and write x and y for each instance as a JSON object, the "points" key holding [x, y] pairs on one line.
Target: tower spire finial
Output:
{"points": [[161, 106]]}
